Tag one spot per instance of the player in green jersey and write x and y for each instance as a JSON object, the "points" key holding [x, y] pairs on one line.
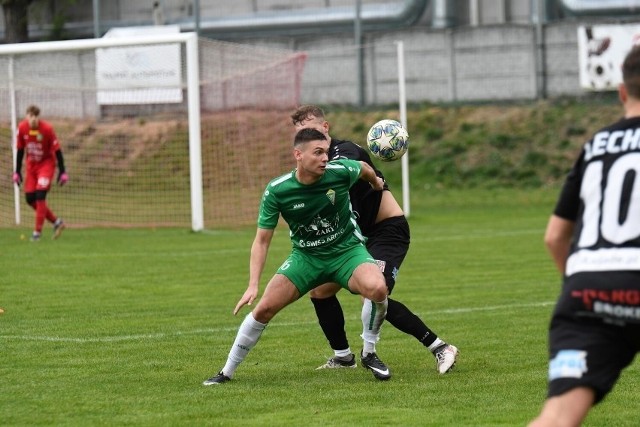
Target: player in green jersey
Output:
{"points": [[327, 246]]}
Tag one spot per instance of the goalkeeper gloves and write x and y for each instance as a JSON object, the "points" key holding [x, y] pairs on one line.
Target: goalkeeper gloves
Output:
{"points": [[63, 178], [17, 178]]}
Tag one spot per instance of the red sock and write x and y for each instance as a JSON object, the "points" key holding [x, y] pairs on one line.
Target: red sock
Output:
{"points": [[49, 215], [41, 213]]}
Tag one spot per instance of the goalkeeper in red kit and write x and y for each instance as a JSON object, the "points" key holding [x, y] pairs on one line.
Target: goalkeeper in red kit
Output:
{"points": [[38, 138]]}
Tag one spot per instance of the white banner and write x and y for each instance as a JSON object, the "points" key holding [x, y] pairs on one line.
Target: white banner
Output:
{"points": [[601, 51], [139, 75]]}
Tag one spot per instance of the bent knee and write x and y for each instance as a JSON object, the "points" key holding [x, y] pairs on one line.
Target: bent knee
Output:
{"points": [[379, 293], [263, 313]]}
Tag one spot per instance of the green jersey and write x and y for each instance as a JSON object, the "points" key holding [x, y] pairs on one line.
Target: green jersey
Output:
{"points": [[321, 222]]}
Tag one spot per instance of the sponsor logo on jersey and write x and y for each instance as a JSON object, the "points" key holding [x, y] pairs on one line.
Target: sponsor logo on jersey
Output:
{"points": [[298, 206], [614, 296], [568, 364], [614, 304]]}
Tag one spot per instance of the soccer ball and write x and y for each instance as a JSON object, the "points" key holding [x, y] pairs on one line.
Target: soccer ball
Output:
{"points": [[387, 140]]}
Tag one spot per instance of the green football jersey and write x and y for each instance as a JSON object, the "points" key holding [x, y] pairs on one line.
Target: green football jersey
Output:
{"points": [[319, 215]]}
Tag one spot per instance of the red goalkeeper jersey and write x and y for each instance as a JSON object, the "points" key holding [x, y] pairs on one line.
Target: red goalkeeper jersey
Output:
{"points": [[40, 144]]}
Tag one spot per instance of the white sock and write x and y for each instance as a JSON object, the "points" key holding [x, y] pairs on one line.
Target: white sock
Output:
{"points": [[437, 343], [343, 354], [373, 314], [248, 335]]}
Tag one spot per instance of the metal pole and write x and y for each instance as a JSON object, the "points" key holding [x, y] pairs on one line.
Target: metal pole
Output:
{"points": [[541, 67], [360, 53], [96, 19], [196, 16]]}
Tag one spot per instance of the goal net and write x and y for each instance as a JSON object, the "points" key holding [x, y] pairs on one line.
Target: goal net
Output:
{"points": [[168, 130]]}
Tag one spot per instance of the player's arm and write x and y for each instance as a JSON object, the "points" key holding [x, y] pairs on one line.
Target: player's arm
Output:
{"points": [[62, 172], [259, 250], [368, 174], [557, 238], [17, 172]]}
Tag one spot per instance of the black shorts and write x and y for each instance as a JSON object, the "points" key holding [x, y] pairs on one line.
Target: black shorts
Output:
{"points": [[593, 334], [388, 243]]}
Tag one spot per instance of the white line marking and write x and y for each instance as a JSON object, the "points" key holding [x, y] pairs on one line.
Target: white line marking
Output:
{"points": [[162, 335]]}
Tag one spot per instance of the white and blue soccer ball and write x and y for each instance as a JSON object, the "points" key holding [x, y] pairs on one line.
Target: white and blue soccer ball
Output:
{"points": [[388, 140]]}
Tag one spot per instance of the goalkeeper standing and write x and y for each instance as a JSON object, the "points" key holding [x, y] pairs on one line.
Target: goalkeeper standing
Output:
{"points": [[382, 221], [38, 138]]}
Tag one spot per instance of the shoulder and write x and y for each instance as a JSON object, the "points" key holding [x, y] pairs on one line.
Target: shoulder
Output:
{"points": [[23, 126], [343, 164], [343, 148], [281, 182], [45, 126]]}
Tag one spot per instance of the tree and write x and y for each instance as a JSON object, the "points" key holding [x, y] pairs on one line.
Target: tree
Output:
{"points": [[16, 20]]}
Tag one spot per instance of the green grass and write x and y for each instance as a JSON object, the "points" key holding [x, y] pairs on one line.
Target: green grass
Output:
{"points": [[120, 327]]}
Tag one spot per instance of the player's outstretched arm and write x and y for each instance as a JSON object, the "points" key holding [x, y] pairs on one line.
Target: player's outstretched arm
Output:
{"points": [[368, 174], [259, 250]]}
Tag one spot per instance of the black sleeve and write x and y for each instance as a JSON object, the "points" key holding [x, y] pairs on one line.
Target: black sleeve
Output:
{"points": [[19, 156], [568, 204], [61, 168]]}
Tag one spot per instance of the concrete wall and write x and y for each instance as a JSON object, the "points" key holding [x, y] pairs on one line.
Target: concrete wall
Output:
{"points": [[483, 63], [470, 64]]}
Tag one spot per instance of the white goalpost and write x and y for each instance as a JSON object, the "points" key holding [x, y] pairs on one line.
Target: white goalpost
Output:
{"points": [[156, 130], [190, 41]]}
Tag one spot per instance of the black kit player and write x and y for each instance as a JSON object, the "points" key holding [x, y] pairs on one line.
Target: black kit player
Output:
{"points": [[384, 224], [593, 237]]}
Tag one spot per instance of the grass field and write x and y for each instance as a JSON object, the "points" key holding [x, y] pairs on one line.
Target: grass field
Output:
{"points": [[120, 327]]}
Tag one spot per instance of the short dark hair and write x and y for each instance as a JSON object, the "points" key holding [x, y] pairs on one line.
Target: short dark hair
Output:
{"points": [[34, 110], [306, 111], [631, 72], [307, 135]]}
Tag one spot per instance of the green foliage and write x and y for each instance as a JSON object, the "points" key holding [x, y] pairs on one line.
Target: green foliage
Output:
{"points": [[120, 327]]}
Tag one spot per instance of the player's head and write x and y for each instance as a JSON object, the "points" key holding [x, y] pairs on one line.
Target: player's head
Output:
{"points": [[33, 116], [311, 151], [311, 117], [631, 72]]}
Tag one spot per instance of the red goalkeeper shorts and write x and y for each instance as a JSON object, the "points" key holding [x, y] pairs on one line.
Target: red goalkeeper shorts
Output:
{"points": [[39, 177]]}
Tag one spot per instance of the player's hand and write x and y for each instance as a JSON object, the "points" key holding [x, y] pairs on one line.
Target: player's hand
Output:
{"points": [[63, 178], [17, 178], [378, 185], [247, 299]]}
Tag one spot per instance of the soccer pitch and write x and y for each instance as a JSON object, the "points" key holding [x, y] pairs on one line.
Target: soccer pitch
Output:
{"points": [[120, 327]]}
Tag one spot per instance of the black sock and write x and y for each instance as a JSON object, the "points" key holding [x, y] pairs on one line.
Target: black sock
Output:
{"points": [[404, 320], [331, 319]]}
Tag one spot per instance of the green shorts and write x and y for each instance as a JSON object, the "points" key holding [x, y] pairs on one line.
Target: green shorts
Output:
{"points": [[306, 272]]}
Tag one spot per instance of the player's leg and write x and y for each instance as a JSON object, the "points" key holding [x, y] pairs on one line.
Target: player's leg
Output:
{"points": [[331, 319], [43, 184], [389, 244], [586, 358], [41, 210], [279, 293], [367, 281], [568, 409], [30, 182]]}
